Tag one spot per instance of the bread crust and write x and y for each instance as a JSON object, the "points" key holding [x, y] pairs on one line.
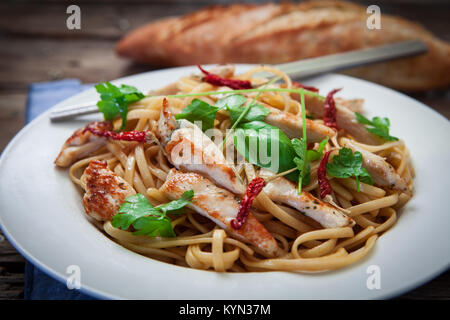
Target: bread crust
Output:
{"points": [[277, 33]]}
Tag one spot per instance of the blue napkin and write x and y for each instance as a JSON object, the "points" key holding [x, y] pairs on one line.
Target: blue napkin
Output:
{"points": [[42, 96]]}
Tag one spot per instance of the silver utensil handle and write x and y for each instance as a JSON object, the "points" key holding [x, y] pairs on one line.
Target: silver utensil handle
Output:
{"points": [[351, 59], [74, 111], [299, 69]]}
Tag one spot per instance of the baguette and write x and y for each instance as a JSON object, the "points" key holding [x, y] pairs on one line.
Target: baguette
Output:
{"points": [[278, 33]]}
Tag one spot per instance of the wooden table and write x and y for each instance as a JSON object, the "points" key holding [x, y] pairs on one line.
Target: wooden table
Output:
{"points": [[35, 46]]}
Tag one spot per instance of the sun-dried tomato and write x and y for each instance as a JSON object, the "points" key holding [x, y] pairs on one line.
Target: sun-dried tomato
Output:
{"points": [[217, 80], [309, 88], [324, 184], [98, 128], [253, 189], [329, 110]]}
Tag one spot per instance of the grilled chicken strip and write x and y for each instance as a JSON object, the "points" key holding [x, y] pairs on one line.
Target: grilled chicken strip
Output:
{"points": [[292, 125], [225, 71], [80, 144], [190, 150], [105, 191], [383, 174], [219, 205], [284, 191], [345, 117], [354, 105]]}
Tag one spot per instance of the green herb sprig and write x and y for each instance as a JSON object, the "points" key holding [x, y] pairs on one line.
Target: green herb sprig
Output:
{"points": [[348, 164], [199, 110], [378, 126], [115, 100], [147, 220]]}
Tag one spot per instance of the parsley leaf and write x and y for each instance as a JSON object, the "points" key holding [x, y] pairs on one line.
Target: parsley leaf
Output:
{"points": [[199, 110], [153, 226], [174, 206], [134, 207], [348, 164], [147, 220], [115, 100], [378, 126]]}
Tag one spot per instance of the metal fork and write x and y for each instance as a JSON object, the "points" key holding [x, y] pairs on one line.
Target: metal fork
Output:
{"points": [[298, 69]]}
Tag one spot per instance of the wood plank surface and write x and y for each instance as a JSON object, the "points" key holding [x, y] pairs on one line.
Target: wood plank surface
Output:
{"points": [[36, 46]]}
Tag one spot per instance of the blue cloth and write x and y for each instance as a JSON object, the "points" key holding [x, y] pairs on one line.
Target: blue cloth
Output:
{"points": [[42, 96]]}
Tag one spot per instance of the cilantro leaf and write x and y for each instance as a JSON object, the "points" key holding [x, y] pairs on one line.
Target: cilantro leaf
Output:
{"points": [[134, 207], [131, 93], [147, 220], [199, 110], [153, 226], [114, 100], [378, 126], [175, 206], [348, 164]]}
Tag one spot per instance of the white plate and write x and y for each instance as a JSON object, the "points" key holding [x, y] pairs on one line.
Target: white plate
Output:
{"points": [[42, 215]]}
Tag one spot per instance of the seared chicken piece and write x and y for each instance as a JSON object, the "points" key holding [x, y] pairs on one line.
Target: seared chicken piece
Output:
{"points": [[80, 144], [383, 174], [105, 191], [219, 205], [189, 149], [225, 71], [354, 105], [292, 125], [345, 118], [284, 191]]}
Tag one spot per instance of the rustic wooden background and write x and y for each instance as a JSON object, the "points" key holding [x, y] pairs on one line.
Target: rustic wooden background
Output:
{"points": [[35, 46]]}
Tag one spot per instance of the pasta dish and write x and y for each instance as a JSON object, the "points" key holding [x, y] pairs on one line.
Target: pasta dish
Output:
{"points": [[239, 173]]}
